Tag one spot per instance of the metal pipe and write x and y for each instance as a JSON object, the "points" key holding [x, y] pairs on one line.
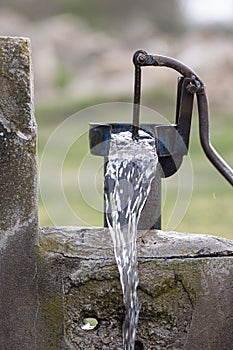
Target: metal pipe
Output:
{"points": [[137, 94], [150, 218], [136, 103]]}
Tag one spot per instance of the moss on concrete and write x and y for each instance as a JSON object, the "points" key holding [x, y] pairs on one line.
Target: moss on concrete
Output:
{"points": [[53, 315], [51, 244]]}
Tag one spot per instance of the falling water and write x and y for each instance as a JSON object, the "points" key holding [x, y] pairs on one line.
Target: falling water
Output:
{"points": [[130, 169]]}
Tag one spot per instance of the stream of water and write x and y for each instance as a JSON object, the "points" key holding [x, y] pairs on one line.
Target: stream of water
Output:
{"points": [[130, 170]]}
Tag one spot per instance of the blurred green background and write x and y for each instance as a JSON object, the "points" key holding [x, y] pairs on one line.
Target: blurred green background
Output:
{"points": [[82, 52]]}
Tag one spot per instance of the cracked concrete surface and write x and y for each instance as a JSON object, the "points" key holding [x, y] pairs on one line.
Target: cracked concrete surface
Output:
{"points": [[159, 244]]}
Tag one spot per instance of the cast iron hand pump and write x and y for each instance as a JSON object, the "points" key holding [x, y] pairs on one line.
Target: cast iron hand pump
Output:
{"points": [[171, 140]]}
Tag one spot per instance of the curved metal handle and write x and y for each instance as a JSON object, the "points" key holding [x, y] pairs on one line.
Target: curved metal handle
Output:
{"points": [[204, 132], [141, 59]]}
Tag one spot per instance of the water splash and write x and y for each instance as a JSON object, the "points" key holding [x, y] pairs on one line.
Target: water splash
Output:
{"points": [[130, 169]]}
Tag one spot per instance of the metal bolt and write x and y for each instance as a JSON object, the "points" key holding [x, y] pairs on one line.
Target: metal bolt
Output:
{"points": [[141, 58], [192, 88]]}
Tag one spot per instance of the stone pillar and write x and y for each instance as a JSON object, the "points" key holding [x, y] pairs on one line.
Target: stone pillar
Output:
{"points": [[18, 197]]}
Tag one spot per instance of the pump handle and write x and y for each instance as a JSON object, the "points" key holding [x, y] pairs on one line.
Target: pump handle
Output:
{"points": [[142, 59]]}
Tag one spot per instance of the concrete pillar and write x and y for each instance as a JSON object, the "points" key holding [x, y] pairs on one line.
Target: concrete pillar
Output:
{"points": [[18, 197]]}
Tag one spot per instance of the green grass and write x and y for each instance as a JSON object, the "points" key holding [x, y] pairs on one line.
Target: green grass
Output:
{"points": [[76, 199], [62, 76]]}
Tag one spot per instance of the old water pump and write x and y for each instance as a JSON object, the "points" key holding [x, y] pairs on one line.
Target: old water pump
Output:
{"points": [[171, 140]]}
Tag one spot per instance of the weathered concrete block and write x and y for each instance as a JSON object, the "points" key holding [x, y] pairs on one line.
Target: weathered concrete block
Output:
{"points": [[185, 290], [18, 197]]}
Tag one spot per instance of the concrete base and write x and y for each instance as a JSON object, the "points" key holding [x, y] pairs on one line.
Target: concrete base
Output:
{"points": [[185, 290]]}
